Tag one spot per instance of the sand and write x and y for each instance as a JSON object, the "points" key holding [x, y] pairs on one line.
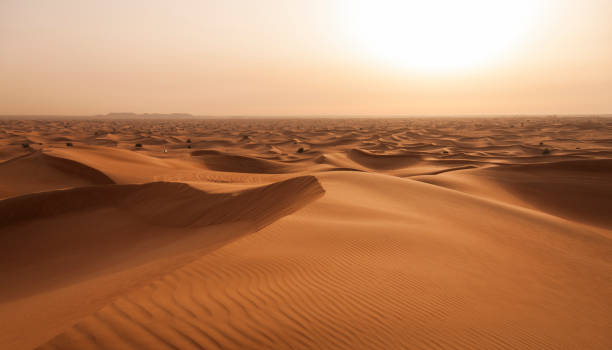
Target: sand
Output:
{"points": [[430, 233]]}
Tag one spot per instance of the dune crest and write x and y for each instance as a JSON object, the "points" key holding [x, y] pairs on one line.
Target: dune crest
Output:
{"points": [[219, 161], [167, 203], [382, 161], [39, 171], [549, 187]]}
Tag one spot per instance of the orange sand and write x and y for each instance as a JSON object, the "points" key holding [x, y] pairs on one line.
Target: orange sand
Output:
{"points": [[381, 234]]}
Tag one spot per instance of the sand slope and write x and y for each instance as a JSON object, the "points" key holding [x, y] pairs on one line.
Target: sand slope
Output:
{"points": [[578, 189], [379, 234], [437, 276], [51, 251], [41, 172]]}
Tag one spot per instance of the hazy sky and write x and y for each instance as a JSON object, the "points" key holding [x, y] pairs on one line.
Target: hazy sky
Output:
{"points": [[311, 57]]}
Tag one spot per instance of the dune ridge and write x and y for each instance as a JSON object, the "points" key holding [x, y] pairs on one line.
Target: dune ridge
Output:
{"points": [[167, 203], [38, 171], [549, 187], [382, 161], [219, 161]]}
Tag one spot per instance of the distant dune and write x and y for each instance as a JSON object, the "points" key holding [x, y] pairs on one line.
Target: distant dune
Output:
{"points": [[423, 233]]}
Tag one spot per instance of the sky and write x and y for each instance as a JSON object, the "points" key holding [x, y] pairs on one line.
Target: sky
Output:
{"points": [[306, 58]]}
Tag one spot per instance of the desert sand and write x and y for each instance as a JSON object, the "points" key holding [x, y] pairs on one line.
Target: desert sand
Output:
{"points": [[422, 233]]}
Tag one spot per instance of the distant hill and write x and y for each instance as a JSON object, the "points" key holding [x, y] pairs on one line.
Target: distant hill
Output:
{"points": [[131, 115]]}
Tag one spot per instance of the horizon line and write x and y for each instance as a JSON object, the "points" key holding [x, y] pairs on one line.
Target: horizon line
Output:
{"points": [[184, 115]]}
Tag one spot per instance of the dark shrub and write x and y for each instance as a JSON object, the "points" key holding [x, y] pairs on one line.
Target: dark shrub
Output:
{"points": [[25, 145], [69, 144], [300, 150], [139, 145], [188, 140], [546, 151]]}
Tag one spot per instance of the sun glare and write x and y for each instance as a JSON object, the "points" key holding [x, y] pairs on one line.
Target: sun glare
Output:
{"points": [[437, 35]]}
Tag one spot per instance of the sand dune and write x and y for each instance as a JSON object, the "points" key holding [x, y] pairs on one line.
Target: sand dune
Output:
{"points": [[578, 190], [490, 233], [44, 248], [218, 161], [38, 171], [167, 204], [320, 278], [382, 161]]}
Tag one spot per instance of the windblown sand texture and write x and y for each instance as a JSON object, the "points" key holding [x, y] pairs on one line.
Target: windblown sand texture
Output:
{"points": [[447, 233]]}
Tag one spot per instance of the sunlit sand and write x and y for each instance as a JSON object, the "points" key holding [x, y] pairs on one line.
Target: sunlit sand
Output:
{"points": [[484, 233]]}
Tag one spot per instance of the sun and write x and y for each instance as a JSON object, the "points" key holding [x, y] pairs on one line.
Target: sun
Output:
{"points": [[437, 35]]}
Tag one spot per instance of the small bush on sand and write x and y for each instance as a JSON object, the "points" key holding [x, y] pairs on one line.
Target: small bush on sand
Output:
{"points": [[188, 140], [68, 144], [300, 150], [25, 145], [546, 151], [139, 145]]}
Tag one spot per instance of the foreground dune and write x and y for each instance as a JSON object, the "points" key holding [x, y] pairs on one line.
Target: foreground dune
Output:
{"points": [[417, 234]]}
